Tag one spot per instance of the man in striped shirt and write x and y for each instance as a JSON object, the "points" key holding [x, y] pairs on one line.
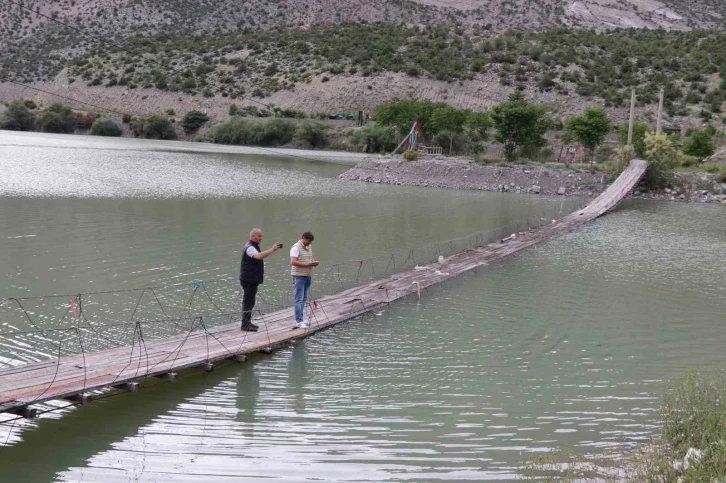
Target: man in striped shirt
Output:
{"points": [[302, 263]]}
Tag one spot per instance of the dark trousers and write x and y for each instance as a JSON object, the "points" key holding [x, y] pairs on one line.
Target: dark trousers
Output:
{"points": [[248, 301]]}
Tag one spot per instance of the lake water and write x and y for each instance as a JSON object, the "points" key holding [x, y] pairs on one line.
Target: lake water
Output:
{"points": [[563, 347]]}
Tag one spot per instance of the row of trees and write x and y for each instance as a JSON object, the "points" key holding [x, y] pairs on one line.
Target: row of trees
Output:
{"points": [[518, 125], [521, 126], [269, 132], [58, 118]]}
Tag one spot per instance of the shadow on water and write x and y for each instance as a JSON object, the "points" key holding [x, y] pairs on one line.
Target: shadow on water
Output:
{"points": [[87, 431]]}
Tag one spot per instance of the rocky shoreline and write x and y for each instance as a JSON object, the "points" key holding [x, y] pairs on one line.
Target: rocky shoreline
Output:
{"points": [[463, 174]]}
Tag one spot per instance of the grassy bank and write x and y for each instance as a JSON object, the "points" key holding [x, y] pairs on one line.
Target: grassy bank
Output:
{"points": [[691, 446]]}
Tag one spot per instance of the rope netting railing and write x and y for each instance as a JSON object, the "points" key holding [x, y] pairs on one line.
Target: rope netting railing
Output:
{"points": [[39, 328]]}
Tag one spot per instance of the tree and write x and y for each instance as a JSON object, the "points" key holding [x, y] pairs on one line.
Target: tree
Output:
{"points": [[449, 119], [639, 132], [17, 117], [518, 125], [478, 125], [699, 145], [193, 120], [105, 127], [589, 129], [448, 122], [402, 114]]}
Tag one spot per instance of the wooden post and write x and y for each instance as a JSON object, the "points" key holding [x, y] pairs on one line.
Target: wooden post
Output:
{"points": [[168, 376], [81, 399], [25, 412], [129, 387], [632, 118], [239, 358], [660, 110]]}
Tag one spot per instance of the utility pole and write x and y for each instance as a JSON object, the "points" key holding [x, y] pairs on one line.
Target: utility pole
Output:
{"points": [[632, 118], [660, 111]]}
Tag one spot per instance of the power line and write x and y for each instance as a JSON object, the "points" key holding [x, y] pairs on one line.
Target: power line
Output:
{"points": [[68, 98], [124, 49], [120, 47]]}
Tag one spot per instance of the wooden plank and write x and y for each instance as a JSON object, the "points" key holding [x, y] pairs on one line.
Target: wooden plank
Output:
{"points": [[122, 367]]}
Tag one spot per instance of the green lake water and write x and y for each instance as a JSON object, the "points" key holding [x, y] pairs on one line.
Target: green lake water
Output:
{"points": [[565, 346]]}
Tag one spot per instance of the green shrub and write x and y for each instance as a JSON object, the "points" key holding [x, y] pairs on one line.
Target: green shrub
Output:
{"points": [[193, 120], [314, 134], [17, 117], [693, 413], [155, 127], [239, 130], [50, 121], [687, 160], [105, 127], [700, 145], [233, 110], [410, 155], [662, 158], [273, 132], [57, 118], [722, 174], [377, 139], [232, 131], [170, 112]]}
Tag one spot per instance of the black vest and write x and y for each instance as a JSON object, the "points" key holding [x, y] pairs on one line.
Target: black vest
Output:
{"points": [[251, 270]]}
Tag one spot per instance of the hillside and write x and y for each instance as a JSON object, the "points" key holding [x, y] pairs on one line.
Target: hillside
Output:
{"points": [[198, 52], [120, 18]]}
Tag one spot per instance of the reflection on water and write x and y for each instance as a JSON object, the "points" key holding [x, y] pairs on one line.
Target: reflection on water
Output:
{"points": [[564, 346]]}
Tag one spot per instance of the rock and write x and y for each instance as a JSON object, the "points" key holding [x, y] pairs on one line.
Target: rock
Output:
{"points": [[693, 455], [562, 190], [668, 191], [704, 192], [682, 197], [536, 189], [511, 184]]}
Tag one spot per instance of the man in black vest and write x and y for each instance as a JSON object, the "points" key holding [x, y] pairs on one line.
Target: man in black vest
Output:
{"points": [[251, 273]]}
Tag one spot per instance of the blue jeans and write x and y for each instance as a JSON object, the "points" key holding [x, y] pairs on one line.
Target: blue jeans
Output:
{"points": [[302, 287]]}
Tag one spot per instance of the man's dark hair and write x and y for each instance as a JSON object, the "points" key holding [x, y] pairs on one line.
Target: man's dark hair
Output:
{"points": [[308, 236]]}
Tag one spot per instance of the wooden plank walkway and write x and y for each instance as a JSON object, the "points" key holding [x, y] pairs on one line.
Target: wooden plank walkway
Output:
{"points": [[73, 376]]}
